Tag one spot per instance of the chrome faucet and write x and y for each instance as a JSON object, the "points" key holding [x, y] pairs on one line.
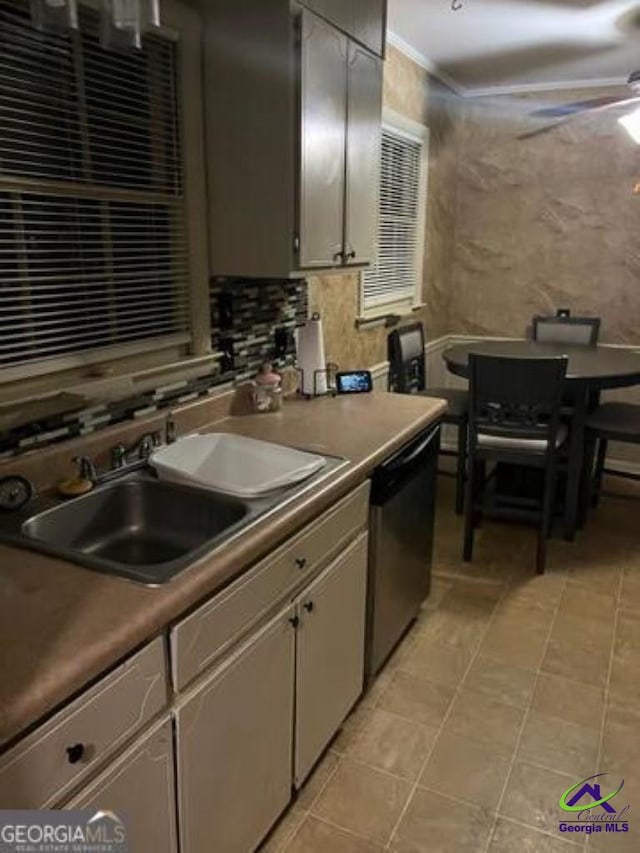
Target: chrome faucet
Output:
{"points": [[140, 450]]}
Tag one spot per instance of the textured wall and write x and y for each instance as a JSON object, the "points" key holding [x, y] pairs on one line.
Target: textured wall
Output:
{"points": [[407, 90], [542, 223]]}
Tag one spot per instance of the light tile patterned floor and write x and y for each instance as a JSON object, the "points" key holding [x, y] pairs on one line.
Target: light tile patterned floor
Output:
{"points": [[509, 688]]}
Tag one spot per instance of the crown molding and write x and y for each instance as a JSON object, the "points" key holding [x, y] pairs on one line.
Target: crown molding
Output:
{"points": [[486, 91], [423, 61]]}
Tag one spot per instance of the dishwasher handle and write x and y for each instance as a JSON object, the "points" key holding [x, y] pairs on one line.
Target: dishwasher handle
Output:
{"points": [[398, 463], [404, 465]]}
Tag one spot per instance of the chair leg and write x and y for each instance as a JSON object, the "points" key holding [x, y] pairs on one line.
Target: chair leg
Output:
{"points": [[461, 466], [587, 490], [599, 472], [469, 511], [547, 515]]}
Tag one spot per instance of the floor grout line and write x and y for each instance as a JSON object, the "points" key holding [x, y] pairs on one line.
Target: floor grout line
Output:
{"points": [[446, 716], [524, 720], [605, 706]]}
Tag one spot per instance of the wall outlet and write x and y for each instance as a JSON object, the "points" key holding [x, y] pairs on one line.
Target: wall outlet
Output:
{"points": [[280, 341]]}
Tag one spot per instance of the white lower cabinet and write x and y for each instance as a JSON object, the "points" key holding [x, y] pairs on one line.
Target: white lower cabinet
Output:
{"points": [[329, 654], [234, 745], [259, 722], [139, 788]]}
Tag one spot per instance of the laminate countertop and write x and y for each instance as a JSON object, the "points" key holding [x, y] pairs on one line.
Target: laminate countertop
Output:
{"points": [[62, 626]]}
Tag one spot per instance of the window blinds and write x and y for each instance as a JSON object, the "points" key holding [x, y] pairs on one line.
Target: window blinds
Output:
{"points": [[393, 277], [93, 249]]}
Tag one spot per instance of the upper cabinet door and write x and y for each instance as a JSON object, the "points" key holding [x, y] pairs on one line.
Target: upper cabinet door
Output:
{"points": [[363, 20], [370, 21], [363, 155], [322, 142]]}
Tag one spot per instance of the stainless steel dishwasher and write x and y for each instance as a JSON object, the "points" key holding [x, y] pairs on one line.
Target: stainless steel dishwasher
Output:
{"points": [[401, 543]]}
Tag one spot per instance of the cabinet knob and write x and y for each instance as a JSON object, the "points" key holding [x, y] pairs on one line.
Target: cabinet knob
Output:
{"points": [[309, 606], [350, 255], [295, 621], [75, 753], [301, 562], [339, 256]]}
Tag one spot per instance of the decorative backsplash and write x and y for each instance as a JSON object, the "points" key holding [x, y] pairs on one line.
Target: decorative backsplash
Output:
{"points": [[251, 322]]}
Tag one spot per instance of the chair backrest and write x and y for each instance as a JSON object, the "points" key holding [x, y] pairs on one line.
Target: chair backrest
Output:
{"points": [[573, 331], [405, 351], [515, 397]]}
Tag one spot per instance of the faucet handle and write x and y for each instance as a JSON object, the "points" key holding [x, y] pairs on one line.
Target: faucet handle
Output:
{"points": [[118, 456], [170, 429]]}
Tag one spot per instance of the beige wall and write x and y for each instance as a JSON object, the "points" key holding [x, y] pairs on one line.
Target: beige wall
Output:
{"points": [[543, 223], [407, 90]]}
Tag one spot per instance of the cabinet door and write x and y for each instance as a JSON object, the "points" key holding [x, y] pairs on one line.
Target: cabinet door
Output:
{"points": [[329, 653], [363, 155], [234, 742], [370, 20], [139, 788], [322, 142]]}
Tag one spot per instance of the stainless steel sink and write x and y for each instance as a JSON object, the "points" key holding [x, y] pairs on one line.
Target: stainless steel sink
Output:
{"points": [[137, 527]]}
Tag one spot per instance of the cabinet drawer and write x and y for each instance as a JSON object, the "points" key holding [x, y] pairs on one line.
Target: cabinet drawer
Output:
{"points": [[45, 765], [204, 635]]}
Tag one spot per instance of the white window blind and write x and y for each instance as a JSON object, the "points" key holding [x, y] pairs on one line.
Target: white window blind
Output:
{"points": [[93, 248], [394, 275]]}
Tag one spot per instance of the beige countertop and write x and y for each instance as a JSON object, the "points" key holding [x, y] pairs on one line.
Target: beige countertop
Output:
{"points": [[61, 626]]}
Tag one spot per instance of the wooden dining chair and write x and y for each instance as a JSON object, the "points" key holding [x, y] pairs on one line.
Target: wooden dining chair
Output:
{"points": [[514, 417], [573, 331], [408, 375], [609, 422]]}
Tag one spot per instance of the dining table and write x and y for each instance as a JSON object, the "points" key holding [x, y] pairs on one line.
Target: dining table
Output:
{"points": [[590, 370]]}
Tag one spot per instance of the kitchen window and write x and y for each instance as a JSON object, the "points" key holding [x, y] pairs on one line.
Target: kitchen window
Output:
{"points": [[94, 238], [393, 284]]}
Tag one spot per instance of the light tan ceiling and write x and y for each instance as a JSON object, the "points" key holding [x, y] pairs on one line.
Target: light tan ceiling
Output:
{"points": [[504, 45]]}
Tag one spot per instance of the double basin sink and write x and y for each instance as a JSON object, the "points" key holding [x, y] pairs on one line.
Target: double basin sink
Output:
{"points": [[149, 529]]}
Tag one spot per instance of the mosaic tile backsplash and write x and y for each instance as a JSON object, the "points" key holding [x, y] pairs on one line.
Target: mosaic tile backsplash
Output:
{"points": [[251, 322]]}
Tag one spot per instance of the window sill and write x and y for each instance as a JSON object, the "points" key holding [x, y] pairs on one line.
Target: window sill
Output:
{"points": [[387, 318]]}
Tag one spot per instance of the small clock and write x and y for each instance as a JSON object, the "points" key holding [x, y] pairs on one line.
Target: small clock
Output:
{"points": [[15, 492]]}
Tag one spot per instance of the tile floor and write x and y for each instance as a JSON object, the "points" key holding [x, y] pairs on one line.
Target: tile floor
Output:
{"points": [[509, 688]]}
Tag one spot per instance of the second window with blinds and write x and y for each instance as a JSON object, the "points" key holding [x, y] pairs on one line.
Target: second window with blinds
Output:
{"points": [[393, 285]]}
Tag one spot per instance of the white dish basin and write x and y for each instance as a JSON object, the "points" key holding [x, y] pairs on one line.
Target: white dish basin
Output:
{"points": [[233, 464]]}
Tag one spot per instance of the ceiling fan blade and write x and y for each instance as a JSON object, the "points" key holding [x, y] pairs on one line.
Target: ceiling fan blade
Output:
{"points": [[564, 110], [539, 130], [605, 104]]}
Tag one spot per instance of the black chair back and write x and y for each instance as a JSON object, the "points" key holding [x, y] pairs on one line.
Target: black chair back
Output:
{"points": [[405, 352], [573, 331], [516, 398]]}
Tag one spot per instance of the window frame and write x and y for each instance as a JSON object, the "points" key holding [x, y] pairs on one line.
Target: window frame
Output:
{"points": [[181, 23], [402, 126]]}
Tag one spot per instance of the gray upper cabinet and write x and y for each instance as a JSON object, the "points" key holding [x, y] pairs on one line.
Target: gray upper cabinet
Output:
{"points": [[363, 20], [322, 142], [293, 113], [362, 156]]}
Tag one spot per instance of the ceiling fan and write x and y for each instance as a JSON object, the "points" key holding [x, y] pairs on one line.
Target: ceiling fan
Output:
{"points": [[565, 112]]}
